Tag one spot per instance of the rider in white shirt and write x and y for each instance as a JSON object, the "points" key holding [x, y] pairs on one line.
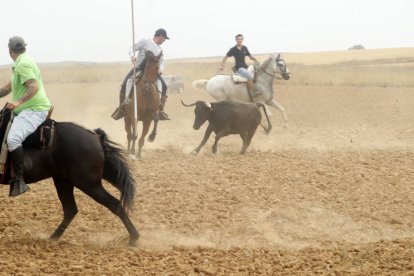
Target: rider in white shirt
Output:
{"points": [[141, 46]]}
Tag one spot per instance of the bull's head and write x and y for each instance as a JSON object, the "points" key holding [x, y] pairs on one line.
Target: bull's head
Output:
{"points": [[202, 112]]}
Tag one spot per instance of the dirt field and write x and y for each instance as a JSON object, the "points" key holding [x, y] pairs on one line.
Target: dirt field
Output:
{"points": [[330, 194]]}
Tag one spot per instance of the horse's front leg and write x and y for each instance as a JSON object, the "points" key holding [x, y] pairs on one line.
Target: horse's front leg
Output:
{"points": [[131, 134], [146, 123], [134, 126], [67, 199], [276, 105], [153, 134]]}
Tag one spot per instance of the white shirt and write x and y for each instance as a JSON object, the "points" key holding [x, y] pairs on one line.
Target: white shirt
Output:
{"points": [[147, 45]]}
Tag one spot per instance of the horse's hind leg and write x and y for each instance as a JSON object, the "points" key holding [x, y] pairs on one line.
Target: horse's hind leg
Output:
{"points": [[100, 195], [67, 198]]}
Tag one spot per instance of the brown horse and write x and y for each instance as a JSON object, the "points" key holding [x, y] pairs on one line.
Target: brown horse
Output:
{"points": [[148, 102]]}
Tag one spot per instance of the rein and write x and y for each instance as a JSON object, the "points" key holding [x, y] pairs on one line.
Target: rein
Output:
{"points": [[276, 76]]}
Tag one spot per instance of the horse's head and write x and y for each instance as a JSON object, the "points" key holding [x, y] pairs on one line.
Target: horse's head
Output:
{"points": [[275, 67], [152, 65], [281, 67]]}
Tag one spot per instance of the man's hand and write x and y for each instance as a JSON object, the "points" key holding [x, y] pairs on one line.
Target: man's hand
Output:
{"points": [[13, 105], [221, 67], [133, 60]]}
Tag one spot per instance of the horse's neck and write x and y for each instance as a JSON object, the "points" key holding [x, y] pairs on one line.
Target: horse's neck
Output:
{"points": [[265, 80]]}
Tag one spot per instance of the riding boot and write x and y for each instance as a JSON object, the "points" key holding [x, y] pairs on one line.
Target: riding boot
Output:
{"points": [[162, 114], [17, 184], [118, 113], [251, 87]]}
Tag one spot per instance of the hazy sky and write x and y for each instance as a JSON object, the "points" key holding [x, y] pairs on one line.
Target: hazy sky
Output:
{"points": [[101, 30]]}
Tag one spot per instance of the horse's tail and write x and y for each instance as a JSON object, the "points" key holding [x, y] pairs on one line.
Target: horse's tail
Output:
{"points": [[199, 84], [269, 125], [117, 171]]}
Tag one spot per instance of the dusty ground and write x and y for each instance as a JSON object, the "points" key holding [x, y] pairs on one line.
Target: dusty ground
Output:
{"points": [[330, 194]]}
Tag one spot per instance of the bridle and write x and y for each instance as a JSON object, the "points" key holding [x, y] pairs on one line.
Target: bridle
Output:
{"points": [[276, 75]]}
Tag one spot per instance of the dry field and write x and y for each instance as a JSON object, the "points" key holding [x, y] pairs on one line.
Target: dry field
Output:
{"points": [[331, 194]]}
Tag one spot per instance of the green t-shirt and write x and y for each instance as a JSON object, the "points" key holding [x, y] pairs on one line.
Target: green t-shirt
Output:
{"points": [[24, 69]]}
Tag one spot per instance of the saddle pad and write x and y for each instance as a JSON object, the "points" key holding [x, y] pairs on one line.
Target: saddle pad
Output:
{"points": [[239, 79]]}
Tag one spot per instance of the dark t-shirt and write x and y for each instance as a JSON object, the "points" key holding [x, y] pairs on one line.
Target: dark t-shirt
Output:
{"points": [[239, 56]]}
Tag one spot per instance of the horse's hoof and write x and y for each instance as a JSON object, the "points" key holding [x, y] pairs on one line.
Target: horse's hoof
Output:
{"points": [[132, 157], [151, 138]]}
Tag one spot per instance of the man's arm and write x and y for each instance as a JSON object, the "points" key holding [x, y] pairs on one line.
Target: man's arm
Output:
{"points": [[31, 90], [162, 64], [136, 47], [253, 58], [5, 90], [223, 62]]}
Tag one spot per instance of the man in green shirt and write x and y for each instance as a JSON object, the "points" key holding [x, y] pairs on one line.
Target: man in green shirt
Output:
{"points": [[29, 104]]}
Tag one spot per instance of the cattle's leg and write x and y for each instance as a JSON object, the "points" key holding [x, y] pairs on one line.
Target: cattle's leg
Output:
{"points": [[247, 139], [67, 199], [204, 141], [219, 135], [276, 105]]}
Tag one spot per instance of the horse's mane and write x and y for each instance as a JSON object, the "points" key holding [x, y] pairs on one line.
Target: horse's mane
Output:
{"points": [[267, 61]]}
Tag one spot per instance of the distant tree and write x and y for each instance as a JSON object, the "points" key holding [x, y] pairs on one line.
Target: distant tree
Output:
{"points": [[357, 47]]}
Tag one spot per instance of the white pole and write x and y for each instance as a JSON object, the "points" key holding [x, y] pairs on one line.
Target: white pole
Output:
{"points": [[134, 63]]}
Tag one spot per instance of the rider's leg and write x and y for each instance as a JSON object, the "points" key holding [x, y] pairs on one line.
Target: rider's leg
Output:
{"points": [[163, 115], [123, 97], [23, 125], [125, 88], [250, 84]]}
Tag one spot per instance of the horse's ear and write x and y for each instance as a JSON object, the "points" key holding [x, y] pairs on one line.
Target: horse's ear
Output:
{"points": [[278, 56]]}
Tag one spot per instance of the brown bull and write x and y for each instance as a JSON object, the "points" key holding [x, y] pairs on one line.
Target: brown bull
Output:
{"points": [[228, 117]]}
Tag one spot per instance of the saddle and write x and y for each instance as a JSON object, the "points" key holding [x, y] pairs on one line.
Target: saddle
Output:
{"points": [[236, 78], [130, 83], [41, 139]]}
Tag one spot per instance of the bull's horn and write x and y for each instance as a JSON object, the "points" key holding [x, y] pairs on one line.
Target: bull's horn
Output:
{"points": [[187, 105], [207, 104]]}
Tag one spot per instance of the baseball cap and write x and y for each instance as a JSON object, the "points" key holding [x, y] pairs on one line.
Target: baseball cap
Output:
{"points": [[161, 32], [17, 43]]}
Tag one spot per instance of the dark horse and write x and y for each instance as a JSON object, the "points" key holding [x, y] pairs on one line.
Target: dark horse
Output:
{"points": [[81, 158], [148, 100]]}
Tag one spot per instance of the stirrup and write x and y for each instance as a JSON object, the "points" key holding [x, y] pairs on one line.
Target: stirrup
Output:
{"points": [[163, 116], [17, 187]]}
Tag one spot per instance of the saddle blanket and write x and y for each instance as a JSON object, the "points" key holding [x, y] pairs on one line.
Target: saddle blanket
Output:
{"points": [[239, 79]]}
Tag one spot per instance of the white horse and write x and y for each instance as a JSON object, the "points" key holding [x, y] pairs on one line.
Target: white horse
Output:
{"points": [[222, 87]]}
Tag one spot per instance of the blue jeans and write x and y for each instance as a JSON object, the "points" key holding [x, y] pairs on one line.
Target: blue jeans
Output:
{"points": [[244, 73], [23, 125]]}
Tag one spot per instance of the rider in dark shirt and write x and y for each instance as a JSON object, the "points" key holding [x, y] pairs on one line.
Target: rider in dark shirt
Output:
{"points": [[239, 52]]}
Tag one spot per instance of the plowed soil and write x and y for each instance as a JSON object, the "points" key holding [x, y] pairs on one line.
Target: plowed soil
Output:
{"points": [[330, 193]]}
